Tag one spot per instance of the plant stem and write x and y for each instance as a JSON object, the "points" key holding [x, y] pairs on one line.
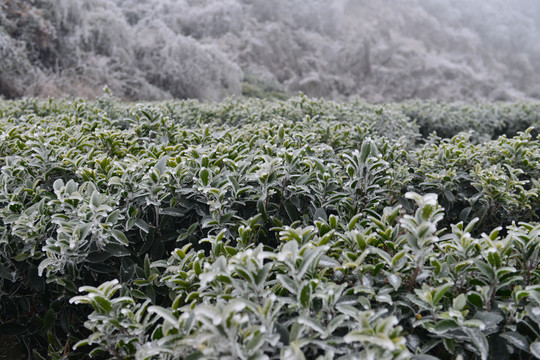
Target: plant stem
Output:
{"points": [[415, 275], [157, 220]]}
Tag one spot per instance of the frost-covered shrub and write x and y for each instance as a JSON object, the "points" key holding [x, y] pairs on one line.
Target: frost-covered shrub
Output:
{"points": [[263, 229]]}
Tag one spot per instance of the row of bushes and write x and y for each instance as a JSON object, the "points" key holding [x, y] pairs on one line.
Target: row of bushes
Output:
{"points": [[260, 230], [486, 120]]}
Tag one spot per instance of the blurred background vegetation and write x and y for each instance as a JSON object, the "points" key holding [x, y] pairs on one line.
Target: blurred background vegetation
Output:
{"points": [[210, 49]]}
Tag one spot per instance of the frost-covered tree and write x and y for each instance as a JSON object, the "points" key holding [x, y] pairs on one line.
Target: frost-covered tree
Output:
{"points": [[154, 49], [181, 65]]}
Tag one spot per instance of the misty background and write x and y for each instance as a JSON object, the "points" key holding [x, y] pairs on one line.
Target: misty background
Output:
{"points": [[390, 50]]}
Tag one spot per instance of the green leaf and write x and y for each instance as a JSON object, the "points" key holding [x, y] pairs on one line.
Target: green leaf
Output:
{"points": [[535, 348], [245, 273], [486, 270], [194, 356], [48, 319], [204, 175], [365, 150], [261, 207], [440, 292], [120, 237], [101, 304], [113, 217], [115, 180], [471, 224], [459, 302], [480, 342], [396, 258], [291, 210], [475, 299], [255, 342], [394, 280], [444, 326], [495, 233], [21, 257], [192, 228], [328, 262], [281, 133], [362, 338], [170, 211], [489, 319], [305, 294], [494, 258], [311, 256], [141, 224], [161, 165], [353, 221], [197, 267], [95, 199], [292, 352], [449, 196], [517, 340], [450, 345], [262, 274], [287, 283], [116, 250], [165, 314], [320, 214], [312, 323], [58, 185], [97, 256]]}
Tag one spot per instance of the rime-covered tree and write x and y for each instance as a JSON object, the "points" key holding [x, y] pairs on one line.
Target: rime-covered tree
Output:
{"points": [[208, 49]]}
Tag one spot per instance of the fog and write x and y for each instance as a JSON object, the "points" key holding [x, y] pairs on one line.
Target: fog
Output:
{"points": [[390, 50]]}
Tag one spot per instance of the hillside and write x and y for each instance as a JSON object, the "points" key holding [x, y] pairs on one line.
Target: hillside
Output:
{"points": [[148, 50]]}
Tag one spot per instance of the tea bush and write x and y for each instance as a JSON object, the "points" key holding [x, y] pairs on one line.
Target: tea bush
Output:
{"points": [[252, 229], [488, 120]]}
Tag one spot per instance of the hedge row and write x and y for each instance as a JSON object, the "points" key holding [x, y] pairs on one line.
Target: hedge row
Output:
{"points": [[265, 230]]}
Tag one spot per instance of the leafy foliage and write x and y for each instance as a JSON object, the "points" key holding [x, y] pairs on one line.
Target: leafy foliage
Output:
{"points": [[264, 230]]}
